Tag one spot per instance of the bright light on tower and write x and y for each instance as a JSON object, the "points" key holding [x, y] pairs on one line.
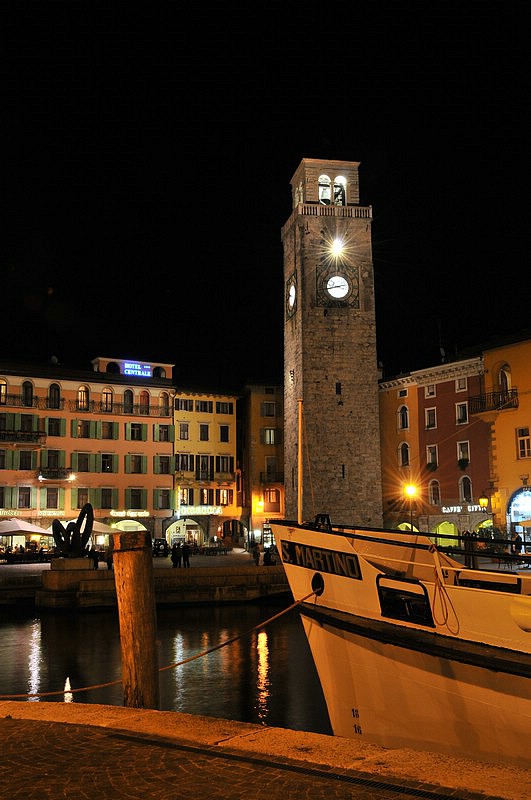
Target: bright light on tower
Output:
{"points": [[336, 248]]}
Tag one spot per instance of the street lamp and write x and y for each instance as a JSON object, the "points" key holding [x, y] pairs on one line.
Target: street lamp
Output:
{"points": [[410, 490], [483, 503]]}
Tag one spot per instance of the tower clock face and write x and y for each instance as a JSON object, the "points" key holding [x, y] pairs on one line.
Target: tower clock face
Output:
{"points": [[291, 296], [337, 286]]}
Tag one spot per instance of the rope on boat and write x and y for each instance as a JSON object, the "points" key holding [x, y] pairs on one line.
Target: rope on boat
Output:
{"points": [[27, 695], [441, 597]]}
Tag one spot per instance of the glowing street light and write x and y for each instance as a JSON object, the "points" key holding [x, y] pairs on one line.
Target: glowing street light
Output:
{"points": [[411, 491]]}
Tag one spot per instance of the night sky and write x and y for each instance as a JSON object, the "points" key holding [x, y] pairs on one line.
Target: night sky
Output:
{"points": [[148, 156]]}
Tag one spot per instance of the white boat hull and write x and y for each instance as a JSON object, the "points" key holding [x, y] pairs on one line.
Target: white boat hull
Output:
{"points": [[412, 650], [395, 698]]}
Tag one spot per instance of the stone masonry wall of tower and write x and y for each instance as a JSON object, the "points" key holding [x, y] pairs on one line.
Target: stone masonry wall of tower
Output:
{"points": [[330, 359]]}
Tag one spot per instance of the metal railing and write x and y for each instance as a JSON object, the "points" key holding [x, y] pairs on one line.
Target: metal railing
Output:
{"points": [[493, 401]]}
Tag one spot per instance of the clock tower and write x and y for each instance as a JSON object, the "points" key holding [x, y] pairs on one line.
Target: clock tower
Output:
{"points": [[330, 359]]}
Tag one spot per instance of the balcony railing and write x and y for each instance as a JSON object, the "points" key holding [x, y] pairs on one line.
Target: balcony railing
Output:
{"points": [[43, 403], [493, 401], [118, 409], [54, 474], [23, 437]]}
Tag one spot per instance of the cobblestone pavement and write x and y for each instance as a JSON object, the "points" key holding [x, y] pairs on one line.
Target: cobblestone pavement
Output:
{"points": [[53, 761]]}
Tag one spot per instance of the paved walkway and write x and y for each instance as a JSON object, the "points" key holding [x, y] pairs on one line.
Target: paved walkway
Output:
{"points": [[87, 752]]}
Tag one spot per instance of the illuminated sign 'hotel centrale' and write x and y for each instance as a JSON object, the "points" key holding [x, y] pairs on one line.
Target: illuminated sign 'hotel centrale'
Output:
{"points": [[140, 370]]}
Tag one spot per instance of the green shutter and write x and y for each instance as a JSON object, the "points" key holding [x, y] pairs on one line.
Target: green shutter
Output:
{"points": [[144, 465], [73, 431], [61, 500], [128, 464], [156, 432], [156, 465], [128, 431], [144, 432], [62, 426]]}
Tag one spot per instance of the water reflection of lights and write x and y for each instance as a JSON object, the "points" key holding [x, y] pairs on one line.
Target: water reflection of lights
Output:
{"points": [[262, 683], [68, 696], [34, 660]]}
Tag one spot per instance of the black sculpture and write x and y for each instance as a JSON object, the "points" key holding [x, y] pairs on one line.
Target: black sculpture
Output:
{"points": [[71, 541]]}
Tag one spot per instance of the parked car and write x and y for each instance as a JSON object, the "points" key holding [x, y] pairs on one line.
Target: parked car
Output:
{"points": [[160, 548]]}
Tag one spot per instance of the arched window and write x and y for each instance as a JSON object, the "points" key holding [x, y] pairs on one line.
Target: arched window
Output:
{"points": [[325, 190], [340, 191], [403, 418], [504, 378], [106, 399], [164, 404], [3, 393], [144, 402], [434, 493], [27, 393], [83, 398], [128, 401], [465, 489], [54, 396], [403, 455]]}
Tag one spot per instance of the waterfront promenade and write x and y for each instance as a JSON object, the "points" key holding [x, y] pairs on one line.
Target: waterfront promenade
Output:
{"points": [[92, 752]]}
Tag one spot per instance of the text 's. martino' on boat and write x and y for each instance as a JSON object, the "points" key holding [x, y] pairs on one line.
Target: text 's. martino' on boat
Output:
{"points": [[412, 648]]}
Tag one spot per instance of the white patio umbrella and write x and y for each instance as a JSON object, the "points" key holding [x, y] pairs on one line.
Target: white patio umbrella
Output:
{"points": [[97, 527], [11, 526]]}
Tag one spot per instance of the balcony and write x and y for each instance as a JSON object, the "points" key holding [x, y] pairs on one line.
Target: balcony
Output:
{"points": [[54, 474], [225, 477], [271, 477], [493, 401], [26, 438]]}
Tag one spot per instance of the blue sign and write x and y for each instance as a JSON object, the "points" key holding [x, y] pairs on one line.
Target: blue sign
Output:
{"points": [[139, 370]]}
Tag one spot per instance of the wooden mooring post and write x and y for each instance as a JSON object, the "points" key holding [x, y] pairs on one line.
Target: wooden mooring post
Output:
{"points": [[135, 595]]}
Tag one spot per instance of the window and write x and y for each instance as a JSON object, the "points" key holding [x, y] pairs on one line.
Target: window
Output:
{"points": [[82, 462], [164, 465], [27, 393], [106, 498], [128, 401], [184, 462], [25, 461], [429, 390], [83, 429], [431, 455], [340, 191], [270, 436], [82, 496], [181, 404], [164, 404], [224, 464], [52, 498], [107, 462], [223, 497], [403, 455], [54, 396], [144, 402], [54, 426], [271, 500], [26, 423], [136, 432], [524, 442], [269, 409], [135, 496], [203, 467], [107, 430], [203, 433], [324, 188], [461, 384], [206, 497], [184, 428], [403, 418], [24, 497], [135, 464], [164, 433], [54, 459], [3, 393], [224, 408], [83, 398], [402, 393], [463, 451], [430, 416], [162, 498], [204, 406], [106, 400], [465, 489], [434, 493], [2, 459], [223, 433], [461, 413]]}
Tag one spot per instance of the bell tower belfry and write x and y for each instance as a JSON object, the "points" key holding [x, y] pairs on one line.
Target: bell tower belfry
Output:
{"points": [[330, 359]]}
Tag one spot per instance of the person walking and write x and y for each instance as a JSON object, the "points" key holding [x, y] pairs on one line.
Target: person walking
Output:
{"points": [[186, 554], [176, 555]]}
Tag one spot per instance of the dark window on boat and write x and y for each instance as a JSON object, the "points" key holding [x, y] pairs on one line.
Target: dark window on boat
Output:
{"points": [[410, 605]]}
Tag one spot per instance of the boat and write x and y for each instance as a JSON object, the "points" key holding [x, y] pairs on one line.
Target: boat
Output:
{"points": [[412, 648]]}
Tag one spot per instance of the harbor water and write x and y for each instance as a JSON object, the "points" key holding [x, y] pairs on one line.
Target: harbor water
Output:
{"points": [[263, 675]]}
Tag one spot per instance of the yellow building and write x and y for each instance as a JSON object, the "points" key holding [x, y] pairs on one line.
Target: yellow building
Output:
{"points": [[505, 405], [261, 452], [207, 511]]}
